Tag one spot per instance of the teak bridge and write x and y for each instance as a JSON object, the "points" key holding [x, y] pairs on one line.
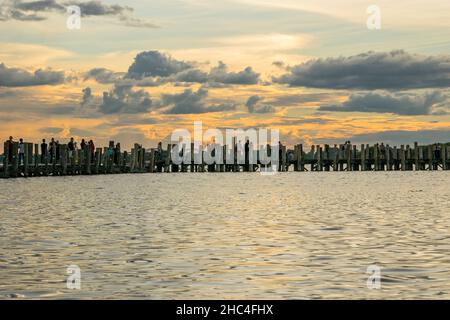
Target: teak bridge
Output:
{"points": [[111, 160]]}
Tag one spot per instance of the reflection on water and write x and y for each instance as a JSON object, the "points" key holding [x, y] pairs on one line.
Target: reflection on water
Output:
{"points": [[225, 235]]}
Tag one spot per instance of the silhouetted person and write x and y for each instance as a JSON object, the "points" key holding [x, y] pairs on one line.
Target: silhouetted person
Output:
{"points": [[116, 153], [280, 155], [92, 150], [382, 150], [437, 152], [247, 151], [21, 151], [43, 151], [52, 147], [159, 157], [82, 144], [71, 148]]}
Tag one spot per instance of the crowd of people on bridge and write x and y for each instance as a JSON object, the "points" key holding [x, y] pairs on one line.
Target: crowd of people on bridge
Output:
{"points": [[49, 151]]}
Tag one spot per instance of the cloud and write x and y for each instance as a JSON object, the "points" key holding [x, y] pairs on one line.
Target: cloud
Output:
{"points": [[190, 75], [190, 102], [15, 77], [155, 64], [253, 106], [51, 130], [87, 96], [102, 75], [220, 74], [397, 103], [154, 68], [33, 10], [297, 99], [123, 99], [372, 70]]}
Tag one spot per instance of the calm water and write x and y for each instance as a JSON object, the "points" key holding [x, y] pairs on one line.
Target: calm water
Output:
{"points": [[193, 236]]}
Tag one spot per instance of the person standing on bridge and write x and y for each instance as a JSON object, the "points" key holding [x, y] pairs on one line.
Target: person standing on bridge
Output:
{"points": [[71, 147], [92, 150], [280, 156], [21, 152], [52, 147], [82, 144], [43, 151]]}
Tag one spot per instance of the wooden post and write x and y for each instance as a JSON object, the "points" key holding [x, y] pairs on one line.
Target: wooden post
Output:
{"points": [[36, 159], [354, 159], [224, 155], [6, 160], [167, 164], [54, 158], [124, 161], [403, 157], [348, 154], [98, 156], [409, 158], [430, 157], [363, 158], [319, 158], [301, 160], [283, 158], [444, 156], [142, 159], [376, 157], [326, 157], [395, 158], [388, 158], [63, 150], [25, 159], [416, 156], [296, 158], [152, 160], [422, 158], [15, 159], [336, 166]]}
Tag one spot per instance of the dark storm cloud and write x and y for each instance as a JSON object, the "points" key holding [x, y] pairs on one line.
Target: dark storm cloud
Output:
{"points": [[155, 64], [102, 75], [220, 74], [38, 6], [372, 70], [253, 105], [123, 99], [154, 68], [15, 77], [32, 10], [190, 102], [397, 103]]}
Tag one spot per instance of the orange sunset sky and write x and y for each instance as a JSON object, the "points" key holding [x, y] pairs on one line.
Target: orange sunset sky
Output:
{"points": [[137, 70]]}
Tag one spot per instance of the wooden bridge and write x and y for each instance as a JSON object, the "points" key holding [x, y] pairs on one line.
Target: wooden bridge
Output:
{"points": [[111, 160]]}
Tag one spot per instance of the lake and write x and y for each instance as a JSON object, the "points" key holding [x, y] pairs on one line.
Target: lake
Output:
{"points": [[227, 236]]}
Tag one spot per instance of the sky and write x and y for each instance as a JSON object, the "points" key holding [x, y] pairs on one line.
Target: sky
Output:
{"points": [[135, 71]]}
